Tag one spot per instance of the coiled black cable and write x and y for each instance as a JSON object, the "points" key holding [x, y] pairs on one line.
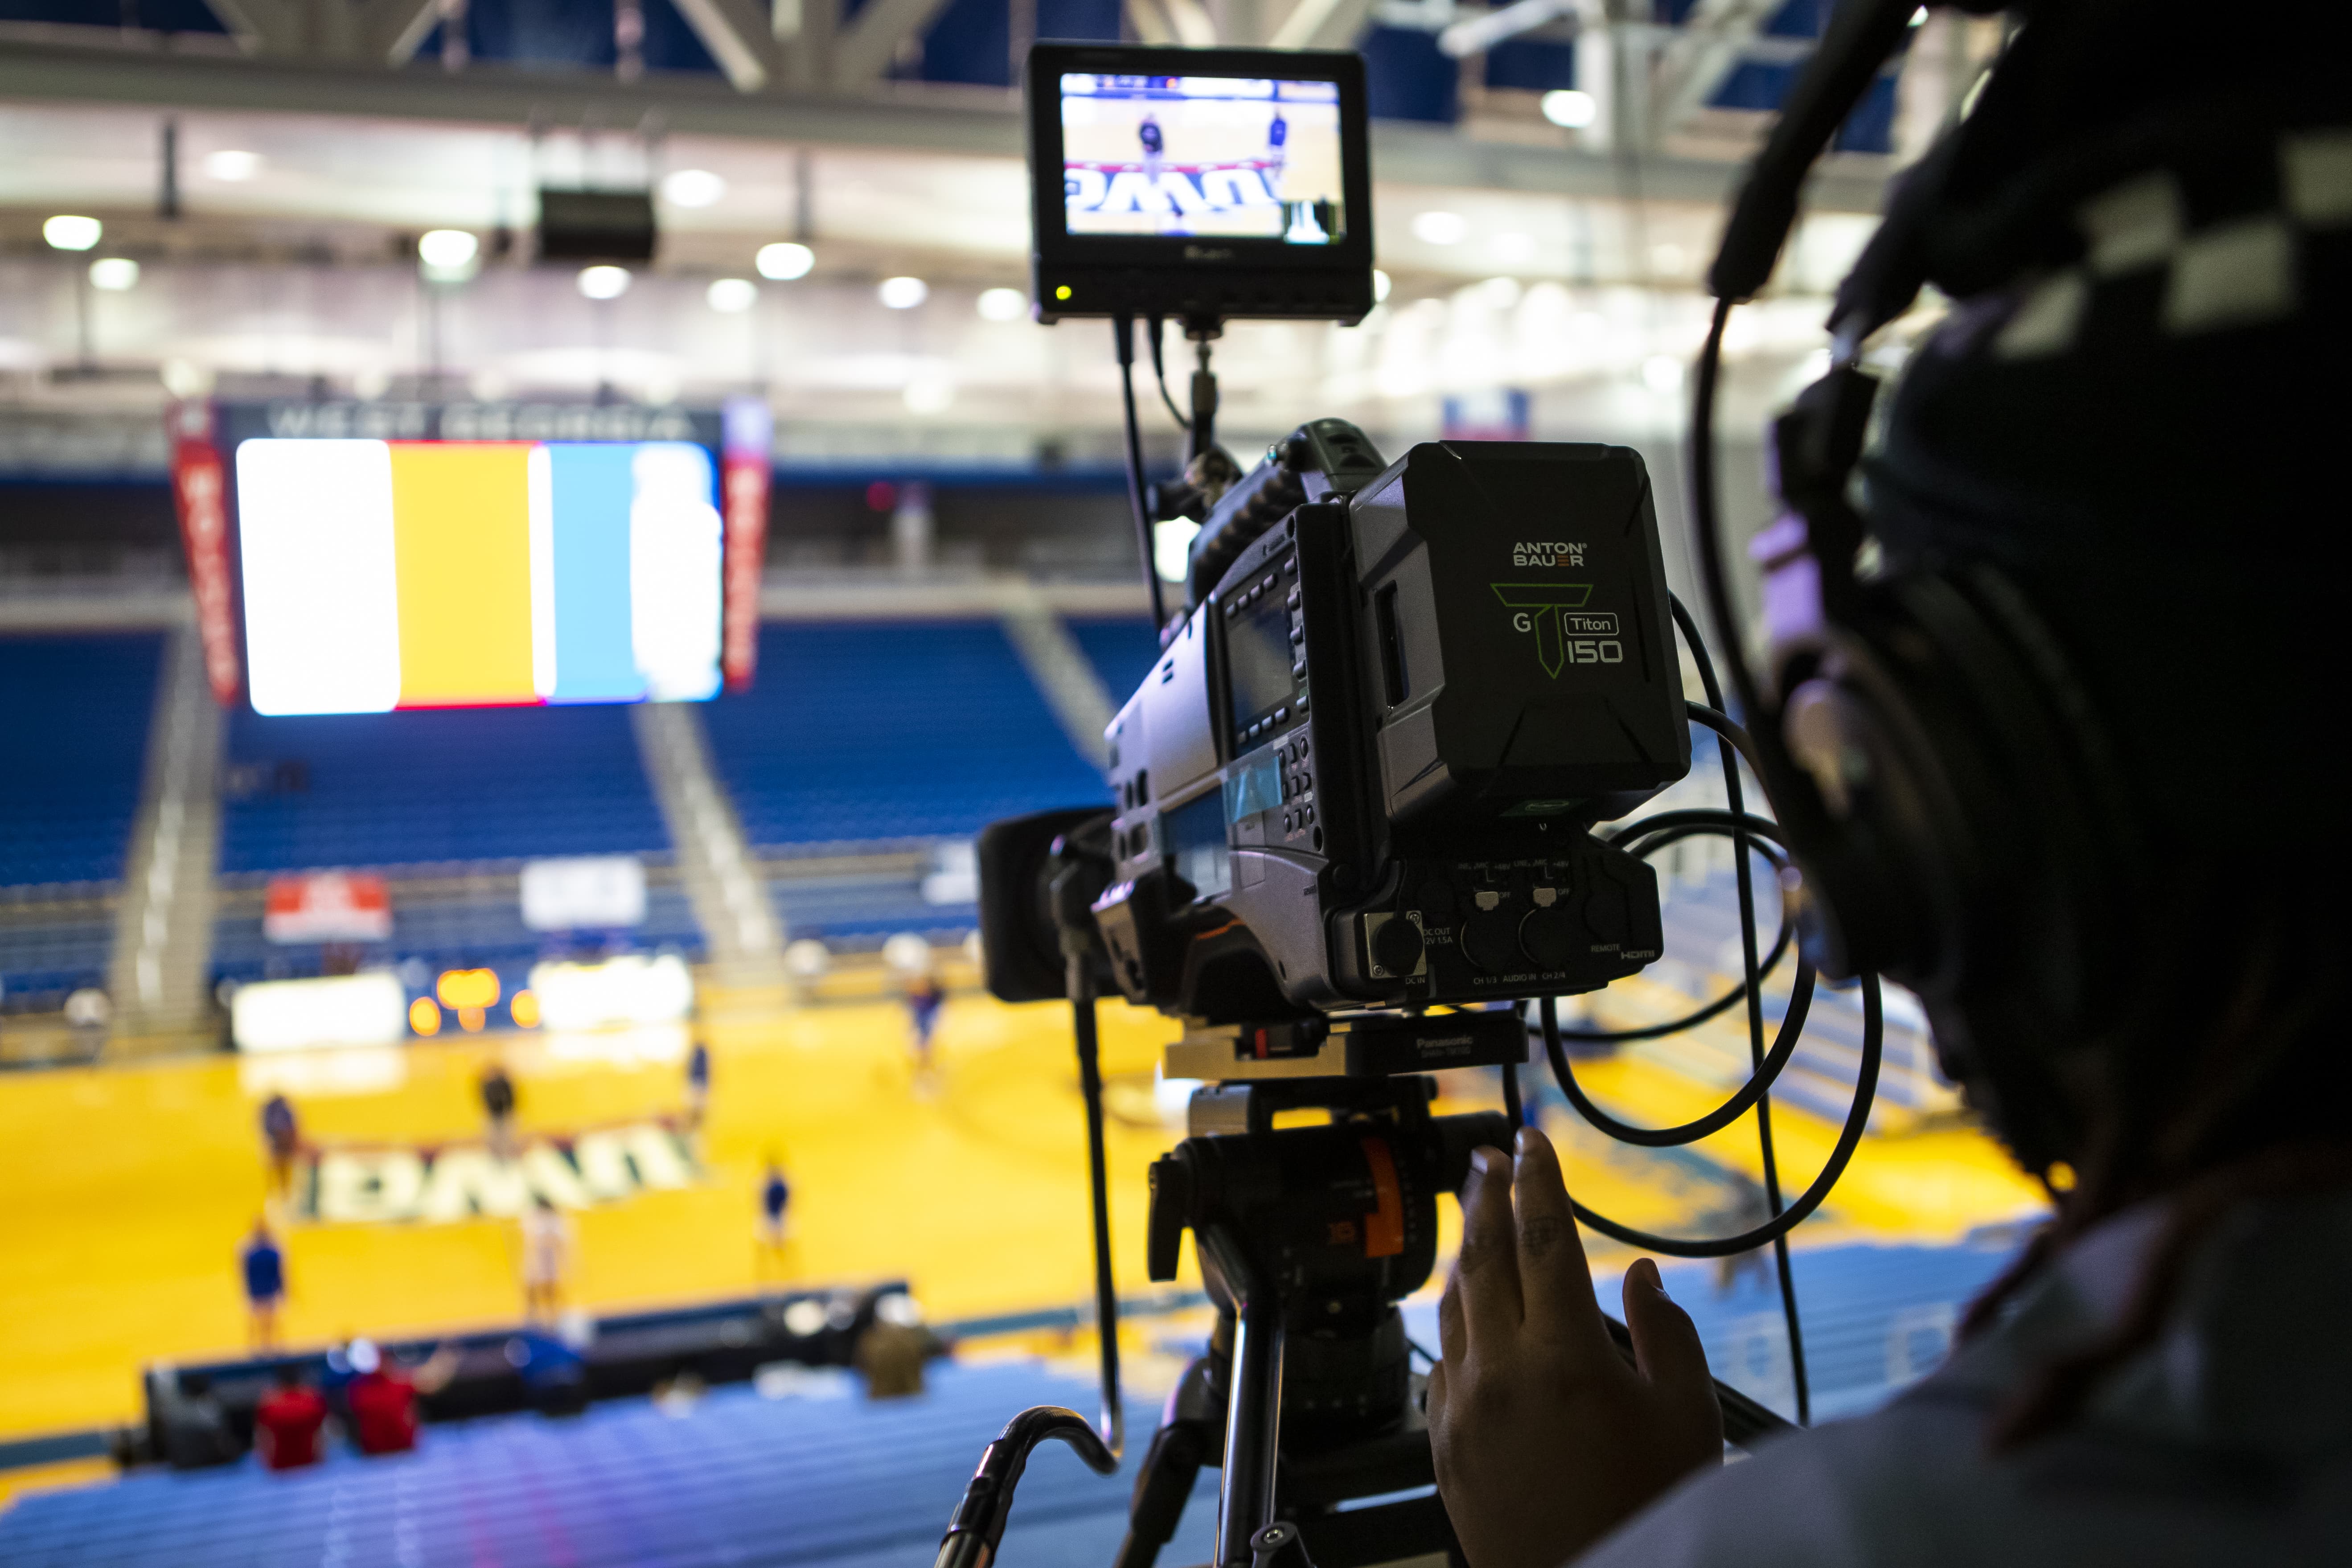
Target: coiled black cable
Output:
{"points": [[1763, 1067], [1873, 1026]]}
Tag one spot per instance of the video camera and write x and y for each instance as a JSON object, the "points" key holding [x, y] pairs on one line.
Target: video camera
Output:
{"points": [[1360, 781], [1352, 816]]}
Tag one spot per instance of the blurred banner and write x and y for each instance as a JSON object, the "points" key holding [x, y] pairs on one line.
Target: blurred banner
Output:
{"points": [[1496, 413], [370, 1009], [200, 489], [745, 458], [327, 906], [615, 993], [583, 892]]}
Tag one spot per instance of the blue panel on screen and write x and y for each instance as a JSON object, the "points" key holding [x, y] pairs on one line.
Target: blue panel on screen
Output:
{"points": [[594, 487]]}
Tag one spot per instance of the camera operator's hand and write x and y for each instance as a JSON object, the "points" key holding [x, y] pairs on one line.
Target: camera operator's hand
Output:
{"points": [[1545, 1439]]}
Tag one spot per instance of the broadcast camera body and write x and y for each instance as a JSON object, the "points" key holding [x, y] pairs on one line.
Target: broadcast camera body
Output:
{"points": [[1361, 775]]}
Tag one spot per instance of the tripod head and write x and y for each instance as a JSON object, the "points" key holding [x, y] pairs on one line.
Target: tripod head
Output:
{"points": [[1323, 1227]]}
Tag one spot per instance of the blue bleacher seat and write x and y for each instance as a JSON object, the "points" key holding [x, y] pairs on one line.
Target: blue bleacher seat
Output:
{"points": [[75, 710], [42, 963], [739, 1480], [460, 930], [863, 731], [459, 785], [1122, 650], [1875, 1318]]}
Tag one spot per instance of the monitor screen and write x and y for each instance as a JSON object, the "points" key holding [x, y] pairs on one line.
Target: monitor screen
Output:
{"points": [[383, 575], [1235, 157], [1201, 185]]}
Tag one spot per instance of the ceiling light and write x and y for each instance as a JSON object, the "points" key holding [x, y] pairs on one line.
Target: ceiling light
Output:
{"points": [[1662, 374], [732, 296], [232, 167], [447, 249], [693, 188], [185, 378], [1667, 256], [1381, 284], [1500, 293], [1440, 227], [904, 293], [605, 282], [1570, 108], [784, 261], [67, 232], [1002, 304], [930, 395], [1514, 248], [114, 274]]}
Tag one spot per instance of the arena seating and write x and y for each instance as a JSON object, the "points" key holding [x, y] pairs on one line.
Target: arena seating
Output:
{"points": [[49, 951], [1122, 650], [829, 1482], [456, 786], [859, 911], [1875, 1318], [443, 926], [858, 732], [75, 709]]}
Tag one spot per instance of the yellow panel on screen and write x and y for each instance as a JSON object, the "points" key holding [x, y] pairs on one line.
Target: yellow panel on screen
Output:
{"points": [[461, 534]]}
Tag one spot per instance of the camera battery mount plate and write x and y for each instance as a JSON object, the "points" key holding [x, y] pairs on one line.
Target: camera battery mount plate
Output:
{"points": [[1364, 1045]]}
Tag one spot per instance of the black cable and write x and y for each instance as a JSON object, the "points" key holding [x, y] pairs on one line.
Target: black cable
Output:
{"points": [[1154, 325], [1784, 1046], [1707, 524], [1512, 1108], [977, 1527], [1730, 739], [1865, 1092], [1082, 1018], [1123, 329], [1645, 836]]}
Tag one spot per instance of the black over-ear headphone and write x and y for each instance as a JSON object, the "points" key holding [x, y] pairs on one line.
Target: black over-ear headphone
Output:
{"points": [[1935, 763]]}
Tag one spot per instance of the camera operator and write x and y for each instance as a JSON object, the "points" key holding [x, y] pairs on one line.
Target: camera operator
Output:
{"points": [[2134, 413]]}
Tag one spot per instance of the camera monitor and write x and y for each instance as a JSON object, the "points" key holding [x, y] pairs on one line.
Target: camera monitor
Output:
{"points": [[1203, 183]]}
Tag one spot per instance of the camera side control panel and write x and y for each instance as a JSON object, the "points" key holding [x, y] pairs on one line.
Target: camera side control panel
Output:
{"points": [[1491, 927]]}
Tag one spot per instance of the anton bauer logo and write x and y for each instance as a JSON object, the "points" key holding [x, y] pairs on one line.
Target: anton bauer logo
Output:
{"points": [[1538, 552], [1566, 632], [438, 1186]]}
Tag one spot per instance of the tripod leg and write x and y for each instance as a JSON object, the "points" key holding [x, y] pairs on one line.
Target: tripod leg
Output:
{"points": [[1253, 1424], [1161, 1488]]}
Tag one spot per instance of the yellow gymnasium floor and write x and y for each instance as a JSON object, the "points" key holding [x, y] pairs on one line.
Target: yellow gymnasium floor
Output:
{"points": [[129, 1189]]}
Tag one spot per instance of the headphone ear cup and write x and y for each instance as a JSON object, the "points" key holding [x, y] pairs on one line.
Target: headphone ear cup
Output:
{"points": [[1877, 854], [2044, 916], [1945, 815]]}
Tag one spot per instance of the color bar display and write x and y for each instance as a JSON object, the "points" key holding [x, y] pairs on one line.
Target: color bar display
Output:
{"points": [[383, 575]]}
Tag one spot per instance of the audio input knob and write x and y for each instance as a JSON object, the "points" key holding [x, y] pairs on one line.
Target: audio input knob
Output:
{"points": [[1548, 937], [1490, 939], [1397, 946]]}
